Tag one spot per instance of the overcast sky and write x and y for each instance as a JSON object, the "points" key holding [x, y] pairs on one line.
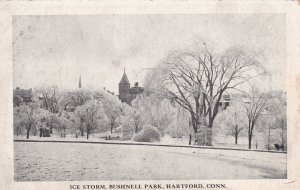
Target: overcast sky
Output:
{"points": [[55, 50]]}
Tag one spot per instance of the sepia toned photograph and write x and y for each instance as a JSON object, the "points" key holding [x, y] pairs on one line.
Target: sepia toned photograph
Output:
{"points": [[149, 97]]}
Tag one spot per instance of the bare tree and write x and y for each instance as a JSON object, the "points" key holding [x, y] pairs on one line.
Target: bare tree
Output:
{"points": [[235, 131], [232, 121], [197, 80], [90, 122], [255, 107], [50, 98]]}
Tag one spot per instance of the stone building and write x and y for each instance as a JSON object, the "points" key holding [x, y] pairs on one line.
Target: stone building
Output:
{"points": [[127, 94]]}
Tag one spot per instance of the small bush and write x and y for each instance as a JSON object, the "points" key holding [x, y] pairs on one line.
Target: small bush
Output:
{"points": [[147, 134], [127, 132]]}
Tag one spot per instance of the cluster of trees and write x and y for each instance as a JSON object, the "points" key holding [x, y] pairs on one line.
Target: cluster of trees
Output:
{"points": [[263, 114], [79, 112], [82, 112], [195, 80], [183, 97]]}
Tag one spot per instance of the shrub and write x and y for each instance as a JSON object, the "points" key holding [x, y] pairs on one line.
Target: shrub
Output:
{"points": [[127, 131], [147, 134]]}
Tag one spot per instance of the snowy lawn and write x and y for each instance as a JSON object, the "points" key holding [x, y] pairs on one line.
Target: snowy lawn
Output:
{"points": [[165, 140], [44, 161]]}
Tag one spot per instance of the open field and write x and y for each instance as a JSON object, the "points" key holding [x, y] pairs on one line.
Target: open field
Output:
{"points": [[46, 161]]}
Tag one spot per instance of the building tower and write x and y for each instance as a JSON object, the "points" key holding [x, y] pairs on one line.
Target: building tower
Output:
{"points": [[124, 89], [79, 85]]}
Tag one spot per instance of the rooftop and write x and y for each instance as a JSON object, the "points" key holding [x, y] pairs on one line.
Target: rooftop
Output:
{"points": [[124, 79]]}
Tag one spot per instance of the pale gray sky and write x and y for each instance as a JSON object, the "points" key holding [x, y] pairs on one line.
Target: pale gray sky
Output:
{"points": [[55, 50]]}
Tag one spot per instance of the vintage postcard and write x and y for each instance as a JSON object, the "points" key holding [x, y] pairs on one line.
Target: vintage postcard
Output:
{"points": [[149, 95]]}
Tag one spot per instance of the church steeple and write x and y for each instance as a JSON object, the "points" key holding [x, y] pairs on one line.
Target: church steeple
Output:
{"points": [[124, 88], [124, 80], [79, 85]]}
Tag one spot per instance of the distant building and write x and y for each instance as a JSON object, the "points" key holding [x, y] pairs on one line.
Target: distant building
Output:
{"points": [[22, 95], [225, 101], [228, 100], [127, 94]]}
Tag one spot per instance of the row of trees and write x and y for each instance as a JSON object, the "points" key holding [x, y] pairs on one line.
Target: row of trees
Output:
{"points": [[82, 112]]}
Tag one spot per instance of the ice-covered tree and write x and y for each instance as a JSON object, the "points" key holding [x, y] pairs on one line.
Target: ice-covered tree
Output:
{"points": [[155, 111], [255, 108], [232, 121], [43, 120], [25, 116], [183, 125], [89, 113], [198, 78], [51, 98], [277, 112], [131, 121], [75, 98], [60, 122], [112, 107]]}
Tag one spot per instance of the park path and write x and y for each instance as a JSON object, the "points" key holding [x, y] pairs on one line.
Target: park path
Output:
{"points": [[47, 161]]}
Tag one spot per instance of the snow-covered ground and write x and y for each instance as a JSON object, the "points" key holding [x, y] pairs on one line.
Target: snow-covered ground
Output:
{"points": [[47, 161], [223, 142]]}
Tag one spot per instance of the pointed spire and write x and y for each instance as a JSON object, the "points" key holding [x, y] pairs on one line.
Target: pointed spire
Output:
{"points": [[124, 80], [79, 86]]}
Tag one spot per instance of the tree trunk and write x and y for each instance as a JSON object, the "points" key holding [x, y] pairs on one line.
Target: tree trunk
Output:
{"points": [[249, 134], [236, 138], [249, 139], [87, 135], [204, 136], [208, 136], [82, 132], [111, 128], [190, 139], [27, 133], [198, 136]]}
